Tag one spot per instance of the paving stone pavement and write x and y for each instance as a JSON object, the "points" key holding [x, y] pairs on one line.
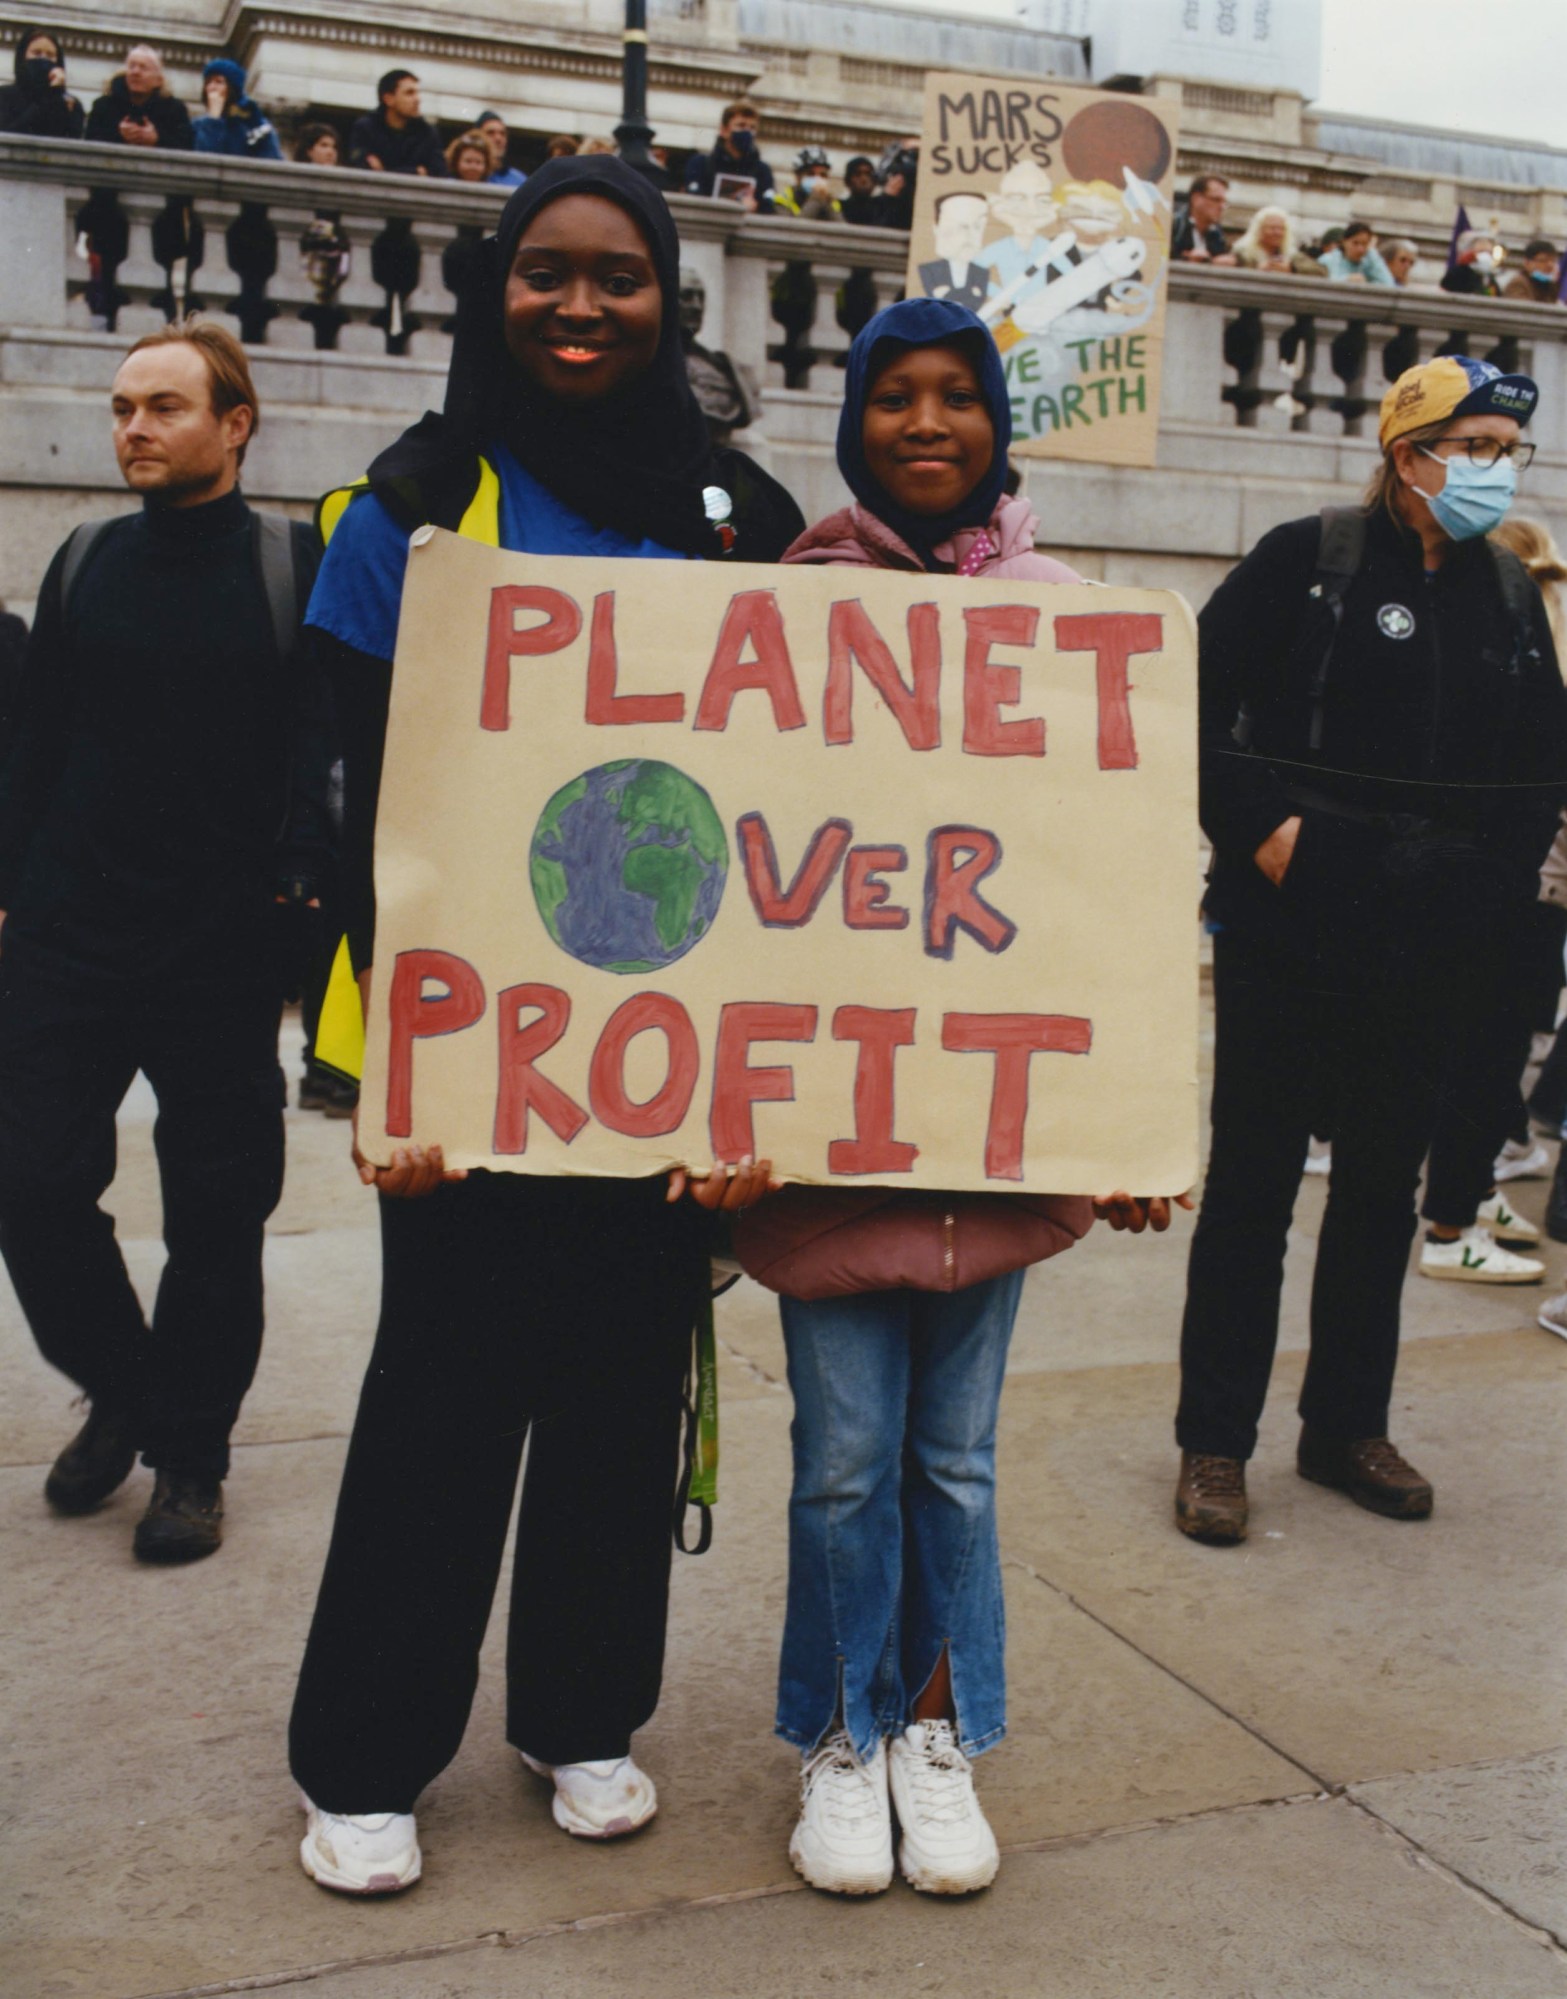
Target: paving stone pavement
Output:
{"points": [[1328, 1763]]}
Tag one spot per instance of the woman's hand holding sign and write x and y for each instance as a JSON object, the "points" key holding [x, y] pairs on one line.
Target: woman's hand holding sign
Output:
{"points": [[724, 1189], [1138, 1211]]}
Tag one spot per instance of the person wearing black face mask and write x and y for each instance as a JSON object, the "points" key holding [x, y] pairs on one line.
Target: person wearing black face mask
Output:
{"points": [[38, 102], [734, 160]]}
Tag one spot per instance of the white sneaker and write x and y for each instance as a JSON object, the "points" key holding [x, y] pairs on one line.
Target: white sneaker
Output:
{"points": [[947, 1847], [1553, 1315], [1319, 1157], [603, 1800], [1518, 1161], [843, 1840], [358, 1853], [1475, 1259], [1495, 1214]]}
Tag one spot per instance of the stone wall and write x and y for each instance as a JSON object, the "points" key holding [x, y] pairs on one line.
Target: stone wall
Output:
{"points": [[1270, 384]]}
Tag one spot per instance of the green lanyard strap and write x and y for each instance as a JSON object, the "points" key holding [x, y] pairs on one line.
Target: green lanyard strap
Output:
{"points": [[698, 1485]]}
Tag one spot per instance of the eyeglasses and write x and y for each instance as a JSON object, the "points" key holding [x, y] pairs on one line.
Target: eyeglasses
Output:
{"points": [[1486, 451]]}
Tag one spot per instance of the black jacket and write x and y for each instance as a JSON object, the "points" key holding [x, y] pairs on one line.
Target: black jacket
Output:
{"points": [[403, 152], [164, 776], [1432, 711], [167, 116], [35, 109], [703, 169]]}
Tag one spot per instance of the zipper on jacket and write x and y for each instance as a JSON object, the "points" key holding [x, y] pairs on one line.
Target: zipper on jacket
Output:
{"points": [[949, 1248]]}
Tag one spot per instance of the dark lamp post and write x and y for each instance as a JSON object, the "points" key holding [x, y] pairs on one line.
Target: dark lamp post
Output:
{"points": [[633, 132]]}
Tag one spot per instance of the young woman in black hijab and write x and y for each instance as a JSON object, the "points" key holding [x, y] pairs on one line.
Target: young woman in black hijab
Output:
{"points": [[514, 1304], [38, 102]]}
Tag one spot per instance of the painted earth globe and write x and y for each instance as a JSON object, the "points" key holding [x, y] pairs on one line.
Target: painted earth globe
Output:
{"points": [[628, 865]]}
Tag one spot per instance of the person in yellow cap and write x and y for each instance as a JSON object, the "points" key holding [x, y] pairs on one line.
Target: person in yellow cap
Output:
{"points": [[1384, 748]]}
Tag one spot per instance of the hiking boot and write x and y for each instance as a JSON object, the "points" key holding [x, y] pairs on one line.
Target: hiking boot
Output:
{"points": [[1369, 1469], [183, 1521], [1210, 1497], [96, 1460], [947, 1846]]}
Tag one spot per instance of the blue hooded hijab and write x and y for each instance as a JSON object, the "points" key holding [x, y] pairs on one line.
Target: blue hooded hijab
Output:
{"points": [[922, 322]]}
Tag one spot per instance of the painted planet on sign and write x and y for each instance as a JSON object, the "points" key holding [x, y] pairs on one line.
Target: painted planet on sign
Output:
{"points": [[1102, 138], [628, 865]]}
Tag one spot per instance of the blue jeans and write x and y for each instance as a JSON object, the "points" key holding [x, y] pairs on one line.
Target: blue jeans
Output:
{"points": [[892, 1520]]}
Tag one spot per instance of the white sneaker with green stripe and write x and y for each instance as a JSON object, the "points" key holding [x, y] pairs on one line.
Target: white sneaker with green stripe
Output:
{"points": [[1505, 1223], [1475, 1258]]}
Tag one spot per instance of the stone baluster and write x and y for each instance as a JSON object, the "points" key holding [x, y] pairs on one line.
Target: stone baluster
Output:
{"points": [[134, 296], [293, 290], [1278, 408], [432, 305], [216, 285], [1243, 346], [829, 339], [361, 298]]}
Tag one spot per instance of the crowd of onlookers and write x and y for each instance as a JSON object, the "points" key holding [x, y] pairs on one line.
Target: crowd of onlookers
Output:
{"points": [[1350, 253], [139, 109]]}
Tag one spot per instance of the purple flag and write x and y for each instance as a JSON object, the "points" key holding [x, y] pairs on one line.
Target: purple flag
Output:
{"points": [[1460, 227]]}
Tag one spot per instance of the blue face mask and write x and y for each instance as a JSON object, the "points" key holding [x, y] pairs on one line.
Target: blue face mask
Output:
{"points": [[742, 141], [1474, 498]]}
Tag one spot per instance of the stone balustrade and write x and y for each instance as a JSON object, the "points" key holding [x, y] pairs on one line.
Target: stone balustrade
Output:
{"points": [[1271, 384]]}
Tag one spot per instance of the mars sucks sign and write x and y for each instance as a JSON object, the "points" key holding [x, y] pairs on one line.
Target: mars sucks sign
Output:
{"points": [[886, 877], [1046, 210]]}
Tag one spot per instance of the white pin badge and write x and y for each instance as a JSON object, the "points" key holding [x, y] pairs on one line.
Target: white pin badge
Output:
{"points": [[1395, 622]]}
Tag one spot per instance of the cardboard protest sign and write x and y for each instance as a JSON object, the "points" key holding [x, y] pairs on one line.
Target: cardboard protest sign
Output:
{"points": [[885, 877], [1047, 211]]}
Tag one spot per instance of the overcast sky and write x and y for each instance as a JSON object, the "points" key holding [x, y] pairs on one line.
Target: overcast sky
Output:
{"points": [[1465, 65]]}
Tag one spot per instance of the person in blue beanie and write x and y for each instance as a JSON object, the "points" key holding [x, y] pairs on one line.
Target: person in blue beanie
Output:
{"points": [[234, 124]]}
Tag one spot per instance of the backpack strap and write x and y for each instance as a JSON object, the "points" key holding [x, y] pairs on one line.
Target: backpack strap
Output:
{"points": [[1340, 552], [1518, 594], [275, 555], [84, 539]]}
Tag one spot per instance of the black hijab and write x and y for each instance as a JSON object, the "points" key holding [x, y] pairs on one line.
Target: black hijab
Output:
{"points": [[637, 461], [40, 90]]}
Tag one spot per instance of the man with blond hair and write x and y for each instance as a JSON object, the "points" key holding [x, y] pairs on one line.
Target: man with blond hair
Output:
{"points": [[161, 794]]}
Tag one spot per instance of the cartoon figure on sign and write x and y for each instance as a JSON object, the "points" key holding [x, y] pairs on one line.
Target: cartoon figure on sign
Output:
{"points": [[1025, 258], [628, 865], [1073, 267], [958, 271]]}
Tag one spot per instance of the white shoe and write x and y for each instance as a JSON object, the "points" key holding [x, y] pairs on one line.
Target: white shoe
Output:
{"points": [[1475, 1259], [604, 1800], [1553, 1315], [947, 1847], [1319, 1158], [1518, 1161], [1495, 1214], [360, 1853], [843, 1840]]}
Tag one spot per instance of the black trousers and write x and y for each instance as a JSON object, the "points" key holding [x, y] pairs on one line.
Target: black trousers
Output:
{"points": [[1338, 1022], [510, 1305], [1481, 1104], [71, 1041]]}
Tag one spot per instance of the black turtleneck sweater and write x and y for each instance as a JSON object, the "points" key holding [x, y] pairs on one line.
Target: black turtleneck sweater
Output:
{"points": [[156, 745]]}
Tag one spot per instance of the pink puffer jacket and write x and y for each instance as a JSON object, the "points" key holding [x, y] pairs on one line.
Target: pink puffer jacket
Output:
{"points": [[857, 538], [823, 1242]]}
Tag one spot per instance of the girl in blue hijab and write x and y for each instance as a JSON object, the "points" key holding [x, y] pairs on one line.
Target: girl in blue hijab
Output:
{"points": [[922, 445], [898, 1306]]}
